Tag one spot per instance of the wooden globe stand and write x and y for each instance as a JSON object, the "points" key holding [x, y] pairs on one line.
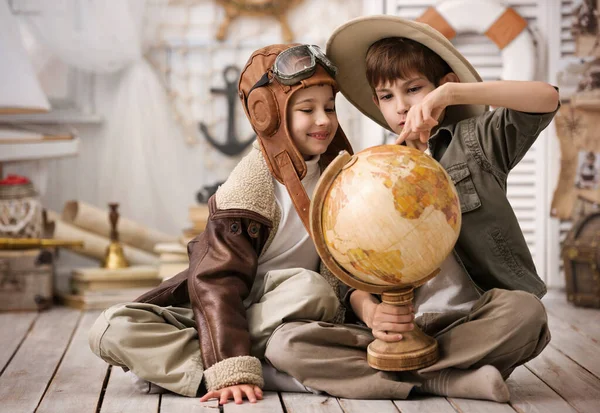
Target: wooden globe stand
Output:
{"points": [[416, 349]]}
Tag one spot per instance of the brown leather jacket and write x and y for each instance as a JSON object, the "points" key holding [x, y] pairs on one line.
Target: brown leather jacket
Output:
{"points": [[223, 263], [243, 219], [244, 216]]}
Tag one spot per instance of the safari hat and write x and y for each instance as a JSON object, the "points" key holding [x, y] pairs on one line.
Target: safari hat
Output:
{"points": [[347, 49]]}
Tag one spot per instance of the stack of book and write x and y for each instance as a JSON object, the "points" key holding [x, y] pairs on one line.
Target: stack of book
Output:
{"points": [[172, 259], [198, 215], [99, 288]]}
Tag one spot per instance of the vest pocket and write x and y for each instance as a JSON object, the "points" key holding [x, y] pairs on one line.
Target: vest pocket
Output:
{"points": [[461, 177]]}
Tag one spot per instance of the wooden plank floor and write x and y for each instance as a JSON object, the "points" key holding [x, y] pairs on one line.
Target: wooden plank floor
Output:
{"points": [[47, 367]]}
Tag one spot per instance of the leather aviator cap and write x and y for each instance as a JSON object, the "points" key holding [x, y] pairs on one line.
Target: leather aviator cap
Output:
{"points": [[266, 108]]}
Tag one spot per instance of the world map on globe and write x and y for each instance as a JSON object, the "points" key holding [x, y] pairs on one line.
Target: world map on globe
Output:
{"points": [[391, 216]]}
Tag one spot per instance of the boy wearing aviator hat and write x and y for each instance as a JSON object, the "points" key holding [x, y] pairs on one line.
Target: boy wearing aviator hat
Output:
{"points": [[483, 307], [204, 331]]}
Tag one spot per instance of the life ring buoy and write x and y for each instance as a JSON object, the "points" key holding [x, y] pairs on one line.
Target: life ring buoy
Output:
{"points": [[501, 24]]}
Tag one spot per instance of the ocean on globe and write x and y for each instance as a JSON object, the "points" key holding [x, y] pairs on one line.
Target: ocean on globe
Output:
{"points": [[391, 216]]}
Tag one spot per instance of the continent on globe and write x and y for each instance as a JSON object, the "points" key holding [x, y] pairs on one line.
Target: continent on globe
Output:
{"points": [[390, 216]]}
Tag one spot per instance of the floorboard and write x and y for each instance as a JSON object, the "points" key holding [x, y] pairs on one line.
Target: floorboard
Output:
{"points": [[578, 347], [310, 403], [425, 404], [269, 404], [575, 384], [530, 394], [46, 366], [14, 327], [584, 320], [121, 397], [362, 406], [26, 378], [77, 384], [173, 403], [478, 406]]}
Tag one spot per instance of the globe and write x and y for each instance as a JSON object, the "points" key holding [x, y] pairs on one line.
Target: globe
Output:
{"points": [[383, 221], [391, 216]]}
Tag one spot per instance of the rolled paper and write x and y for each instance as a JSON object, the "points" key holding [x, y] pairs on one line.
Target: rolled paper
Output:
{"points": [[95, 220], [94, 245]]}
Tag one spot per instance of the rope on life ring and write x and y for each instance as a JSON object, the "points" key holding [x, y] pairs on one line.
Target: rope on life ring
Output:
{"points": [[501, 24]]}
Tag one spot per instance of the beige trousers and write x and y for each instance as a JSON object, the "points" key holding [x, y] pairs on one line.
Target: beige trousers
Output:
{"points": [[504, 329], [160, 344]]}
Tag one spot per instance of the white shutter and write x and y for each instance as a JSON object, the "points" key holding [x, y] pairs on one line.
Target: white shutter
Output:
{"points": [[526, 183], [567, 44]]}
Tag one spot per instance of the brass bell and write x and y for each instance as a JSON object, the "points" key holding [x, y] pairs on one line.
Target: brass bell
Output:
{"points": [[114, 257]]}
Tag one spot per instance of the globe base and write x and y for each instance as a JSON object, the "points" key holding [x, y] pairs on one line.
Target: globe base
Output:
{"points": [[416, 350]]}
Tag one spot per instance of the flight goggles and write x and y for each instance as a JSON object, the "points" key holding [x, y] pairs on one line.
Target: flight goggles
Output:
{"points": [[295, 64], [299, 62]]}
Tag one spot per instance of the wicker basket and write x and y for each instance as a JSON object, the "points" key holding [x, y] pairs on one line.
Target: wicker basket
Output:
{"points": [[20, 209]]}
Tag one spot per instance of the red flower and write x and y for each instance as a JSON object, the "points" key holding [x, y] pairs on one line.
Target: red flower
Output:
{"points": [[14, 180]]}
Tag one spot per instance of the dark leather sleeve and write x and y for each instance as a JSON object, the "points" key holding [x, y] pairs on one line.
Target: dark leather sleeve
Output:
{"points": [[173, 291], [223, 263]]}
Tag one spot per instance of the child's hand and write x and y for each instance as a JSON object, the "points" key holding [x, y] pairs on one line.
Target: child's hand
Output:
{"points": [[423, 117], [237, 393], [390, 320], [417, 144]]}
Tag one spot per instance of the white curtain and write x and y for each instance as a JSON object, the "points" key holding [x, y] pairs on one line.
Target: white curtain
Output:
{"points": [[137, 158], [100, 36]]}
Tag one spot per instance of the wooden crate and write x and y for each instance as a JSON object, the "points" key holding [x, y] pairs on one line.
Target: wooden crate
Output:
{"points": [[26, 279], [581, 256]]}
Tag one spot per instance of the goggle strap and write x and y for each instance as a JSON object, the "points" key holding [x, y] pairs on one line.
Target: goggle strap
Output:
{"points": [[263, 81]]}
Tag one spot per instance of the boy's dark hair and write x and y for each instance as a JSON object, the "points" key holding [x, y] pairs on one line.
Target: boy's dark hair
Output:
{"points": [[395, 58]]}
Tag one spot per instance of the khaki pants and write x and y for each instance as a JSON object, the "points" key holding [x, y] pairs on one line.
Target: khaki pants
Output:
{"points": [[504, 329], [160, 344]]}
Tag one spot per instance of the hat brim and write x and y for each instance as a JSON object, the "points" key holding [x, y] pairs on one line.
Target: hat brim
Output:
{"points": [[347, 49]]}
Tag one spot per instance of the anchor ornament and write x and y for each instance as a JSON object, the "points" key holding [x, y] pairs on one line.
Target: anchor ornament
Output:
{"points": [[232, 145]]}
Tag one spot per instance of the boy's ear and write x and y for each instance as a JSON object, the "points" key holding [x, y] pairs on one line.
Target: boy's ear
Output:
{"points": [[375, 100], [449, 77]]}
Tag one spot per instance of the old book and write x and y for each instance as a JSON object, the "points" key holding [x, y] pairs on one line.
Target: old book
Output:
{"points": [[134, 272], [198, 212], [198, 215], [137, 291], [101, 279], [100, 301], [189, 234], [170, 247], [169, 269], [172, 257], [185, 238]]}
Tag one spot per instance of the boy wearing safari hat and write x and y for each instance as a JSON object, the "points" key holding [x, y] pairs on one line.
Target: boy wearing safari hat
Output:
{"points": [[483, 307], [204, 331]]}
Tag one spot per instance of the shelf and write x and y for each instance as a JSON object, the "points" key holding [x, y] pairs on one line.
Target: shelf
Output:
{"points": [[10, 152], [60, 116]]}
